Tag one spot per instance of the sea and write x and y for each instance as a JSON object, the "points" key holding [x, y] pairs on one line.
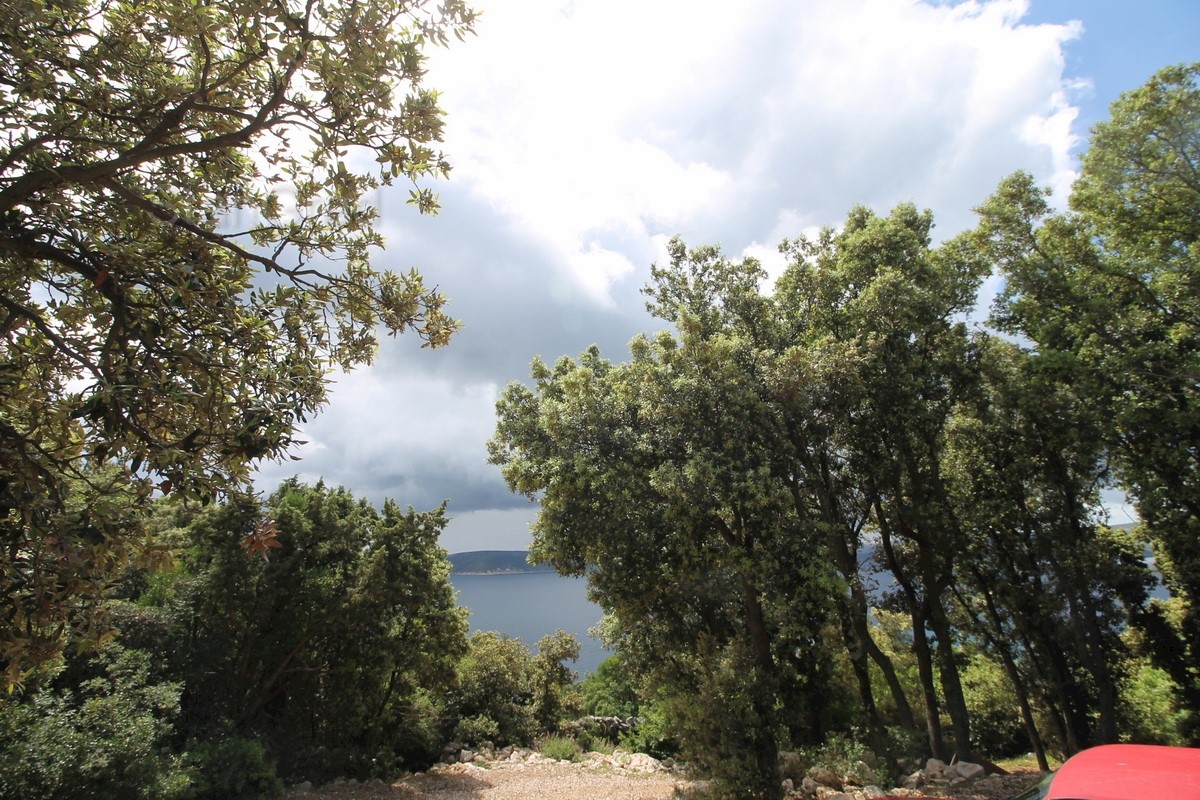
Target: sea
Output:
{"points": [[529, 605]]}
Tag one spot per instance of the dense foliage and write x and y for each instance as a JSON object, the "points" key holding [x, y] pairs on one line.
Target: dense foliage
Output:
{"points": [[184, 253], [1109, 293], [723, 487], [334, 652], [339, 651]]}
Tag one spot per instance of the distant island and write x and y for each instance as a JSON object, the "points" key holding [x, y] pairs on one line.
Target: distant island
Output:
{"points": [[494, 562]]}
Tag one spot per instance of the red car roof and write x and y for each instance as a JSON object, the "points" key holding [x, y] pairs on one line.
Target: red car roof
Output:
{"points": [[1129, 772]]}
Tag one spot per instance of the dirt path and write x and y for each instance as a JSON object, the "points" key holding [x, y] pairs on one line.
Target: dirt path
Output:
{"points": [[505, 781], [519, 780]]}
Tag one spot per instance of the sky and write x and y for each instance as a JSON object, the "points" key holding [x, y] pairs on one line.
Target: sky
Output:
{"points": [[584, 134]]}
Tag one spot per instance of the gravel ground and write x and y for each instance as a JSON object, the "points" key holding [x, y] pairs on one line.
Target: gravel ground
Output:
{"points": [[504, 780]]}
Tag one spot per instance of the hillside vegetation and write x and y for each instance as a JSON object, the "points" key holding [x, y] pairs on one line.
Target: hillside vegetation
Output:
{"points": [[838, 524], [494, 562]]}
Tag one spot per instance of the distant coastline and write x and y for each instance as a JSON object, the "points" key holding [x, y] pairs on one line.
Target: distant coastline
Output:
{"points": [[494, 562]]}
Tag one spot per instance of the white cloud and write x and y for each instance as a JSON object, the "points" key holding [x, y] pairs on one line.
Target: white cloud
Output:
{"points": [[415, 437], [584, 134], [646, 119]]}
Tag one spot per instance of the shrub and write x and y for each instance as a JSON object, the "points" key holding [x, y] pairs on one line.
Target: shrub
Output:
{"points": [[495, 684], [559, 748], [1150, 707], [110, 738], [232, 769], [996, 725], [610, 690], [653, 734], [477, 730], [839, 753]]}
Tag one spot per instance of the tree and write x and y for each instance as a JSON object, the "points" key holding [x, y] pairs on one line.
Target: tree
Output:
{"points": [[1042, 582], [661, 480], [493, 699], [879, 295], [1108, 294], [330, 651], [185, 253]]}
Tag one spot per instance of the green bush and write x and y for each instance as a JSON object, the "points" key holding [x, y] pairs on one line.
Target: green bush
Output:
{"points": [[610, 690], [653, 734], [335, 654], [559, 748], [477, 730], [839, 753], [1150, 707], [996, 726], [232, 769], [110, 738], [495, 683]]}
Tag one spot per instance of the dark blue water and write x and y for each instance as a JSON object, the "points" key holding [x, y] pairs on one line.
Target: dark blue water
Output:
{"points": [[530, 605]]}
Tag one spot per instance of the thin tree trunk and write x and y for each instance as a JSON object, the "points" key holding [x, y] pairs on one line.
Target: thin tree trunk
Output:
{"points": [[917, 613], [903, 707], [956, 703], [995, 636], [767, 753], [856, 649]]}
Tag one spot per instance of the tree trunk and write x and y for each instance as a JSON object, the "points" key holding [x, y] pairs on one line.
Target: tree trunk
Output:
{"points": [[856, 649], [918, 614], [903, 707], [767, 751], [956, 704], [933, 720], [997, 644]]}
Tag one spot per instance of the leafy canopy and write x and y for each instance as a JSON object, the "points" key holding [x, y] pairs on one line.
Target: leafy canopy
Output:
{"points": [[185, 252]]}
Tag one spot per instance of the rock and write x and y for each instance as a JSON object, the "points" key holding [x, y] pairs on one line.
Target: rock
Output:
{"points": [[862, 774], [808, 787], [934, 768], [640, 762], [826, 777], [957, 780], [967, 770], [303, 786], [465, 755], [791, 765]]}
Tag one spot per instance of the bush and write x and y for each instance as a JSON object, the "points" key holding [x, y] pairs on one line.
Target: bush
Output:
{"points": [[494, 699], [559, 748], [653, 734], [840, 754], [1151, 711], [232, 769], [109, 739], [610, 690], [996, 726], [477, 730]]}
